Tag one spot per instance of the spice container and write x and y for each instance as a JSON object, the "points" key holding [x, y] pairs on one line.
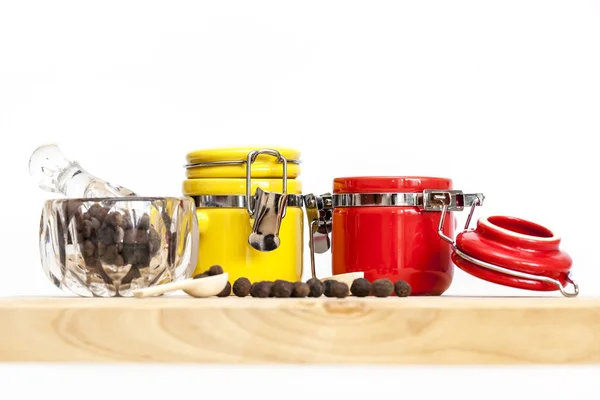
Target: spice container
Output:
{"points": [[402, 228], [250, 211], [108, 247]]}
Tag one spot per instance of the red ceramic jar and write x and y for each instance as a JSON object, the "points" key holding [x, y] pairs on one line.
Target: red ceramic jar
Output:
{"points": [[388, 241]]}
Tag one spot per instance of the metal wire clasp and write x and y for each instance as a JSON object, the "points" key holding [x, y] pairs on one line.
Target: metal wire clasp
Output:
{"points": [[319, 211], [249, 160], [444, 199], [267, 209]]}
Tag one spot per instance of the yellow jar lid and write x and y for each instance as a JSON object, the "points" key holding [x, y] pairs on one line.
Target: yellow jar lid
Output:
{"points": [[264, 166], [225, 186]]}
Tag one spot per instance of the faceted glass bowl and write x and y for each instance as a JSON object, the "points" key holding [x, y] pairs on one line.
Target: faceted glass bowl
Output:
{"points": [[107, 247]]}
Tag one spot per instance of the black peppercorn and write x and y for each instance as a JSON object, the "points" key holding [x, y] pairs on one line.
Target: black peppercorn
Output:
{"points": [[89, 248], [101, 249], [402, 288], [106, 235], [87, 229], [328, 283], [119, 235], [126, 222], [98, 212], [382, 287], [72, 208], [261, 289], [141, 237], [141, 256], [144, 222], [241, 287], [129, 236], [316, 287], [301, 289], [215, 270], [114, 219], [282, 288], [153, 241], [110, 254], [96, 224], [361, 287], [226, 291], [339, 289]]}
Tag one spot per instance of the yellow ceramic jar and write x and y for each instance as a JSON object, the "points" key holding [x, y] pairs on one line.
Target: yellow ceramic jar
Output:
{"points": [[260, 238]]}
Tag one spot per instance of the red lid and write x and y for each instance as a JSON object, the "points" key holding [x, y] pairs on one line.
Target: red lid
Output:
{"points": [[389, 184], [515, 245]]}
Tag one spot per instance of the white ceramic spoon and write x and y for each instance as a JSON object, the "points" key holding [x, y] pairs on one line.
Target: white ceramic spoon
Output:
{"points": [[346, 278], [202, 287]]}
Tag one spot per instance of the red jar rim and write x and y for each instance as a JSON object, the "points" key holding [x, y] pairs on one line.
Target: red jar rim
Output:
{"points": [[389, 184]]}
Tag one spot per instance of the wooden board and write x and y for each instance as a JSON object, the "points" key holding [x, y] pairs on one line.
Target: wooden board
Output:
{"points": [[433, 330]]}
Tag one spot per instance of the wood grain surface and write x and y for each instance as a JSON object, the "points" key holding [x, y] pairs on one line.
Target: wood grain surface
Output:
{"points": [[414, 330]]}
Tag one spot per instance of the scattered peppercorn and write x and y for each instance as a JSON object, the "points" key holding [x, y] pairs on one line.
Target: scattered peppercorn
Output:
{"points": [[261, 289], [338, 289], [301, 289], [361, 287], [226, 291], [402, 288], [241, 287], [316, 287], [382, 287], [215, 270], [327, 291], [282, 288]]}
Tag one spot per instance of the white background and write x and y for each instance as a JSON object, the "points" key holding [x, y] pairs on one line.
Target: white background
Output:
{"points": [[503, 97]]}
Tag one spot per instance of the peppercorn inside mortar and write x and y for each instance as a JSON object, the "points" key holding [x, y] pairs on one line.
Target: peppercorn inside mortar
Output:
{"points": [[109, 247]]}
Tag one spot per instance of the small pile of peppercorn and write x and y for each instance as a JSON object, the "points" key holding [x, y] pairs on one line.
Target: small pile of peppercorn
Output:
{"points": [[314, 287]]}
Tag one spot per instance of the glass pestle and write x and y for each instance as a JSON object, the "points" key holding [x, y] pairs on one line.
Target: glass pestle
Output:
{"points": [[55, 173]]}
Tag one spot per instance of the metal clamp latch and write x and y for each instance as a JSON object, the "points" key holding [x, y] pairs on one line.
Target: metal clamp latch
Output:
{"points": [[319, 211], [267, 209], [452, 200]]}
